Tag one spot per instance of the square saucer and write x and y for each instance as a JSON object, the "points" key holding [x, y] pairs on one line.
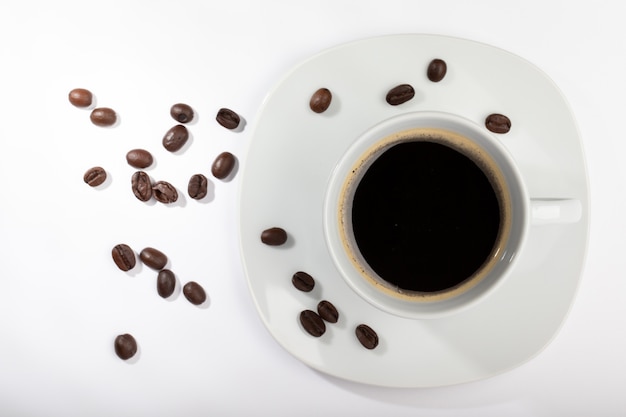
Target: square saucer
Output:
{"points": [[283, 183]]}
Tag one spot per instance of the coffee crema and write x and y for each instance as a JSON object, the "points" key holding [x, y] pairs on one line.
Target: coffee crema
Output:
{"points": [[424, 214]]}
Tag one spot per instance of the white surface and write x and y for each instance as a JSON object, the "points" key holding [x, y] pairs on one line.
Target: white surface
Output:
{"points": [[63, 300]]}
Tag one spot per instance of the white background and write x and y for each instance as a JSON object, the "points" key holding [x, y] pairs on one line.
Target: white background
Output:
{"points": [[63, 301]]}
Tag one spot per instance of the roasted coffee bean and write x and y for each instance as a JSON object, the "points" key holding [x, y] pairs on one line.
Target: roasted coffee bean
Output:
{"points": [[320, 100], [164, 192], [274, 236], [125, 346], [327, 311], [175, 138], [194, 293], [367, 336], [223, 165], [141, 186], [95, 176], [312, 323], [166, 283], [303, 281], [228, 118], [437, 70], [198, 186], [498, 123], [81, 97], [400, 94], [182, 113], [124, 257], [139, 158], [103, 116], [153, 258]]}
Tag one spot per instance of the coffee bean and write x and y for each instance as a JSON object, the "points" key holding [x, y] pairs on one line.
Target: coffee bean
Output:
{"points": [[103, 116], [194, 293], [166, 283], [175, 138], [312, 323], [327, 311], [274, 236], [303, 281], [400, 94], [81, 97], [228, 118], [367, 336], [125, 346], [223, 165], [197, 188], [141, 186], [153, 258], [320, 100], [164, 192], [139, 158], [182, 113], [498, 123], [124, 257], [437, 70], [95, 176]]}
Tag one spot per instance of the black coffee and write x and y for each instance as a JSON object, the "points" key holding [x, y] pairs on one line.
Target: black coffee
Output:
{"points": [[425, 217]]}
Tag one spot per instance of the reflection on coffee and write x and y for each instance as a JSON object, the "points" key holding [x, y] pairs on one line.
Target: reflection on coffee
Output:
{"points": [[424, 213]]}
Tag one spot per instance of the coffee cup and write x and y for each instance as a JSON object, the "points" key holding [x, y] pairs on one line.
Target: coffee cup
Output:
{"points": [[426, 214]]}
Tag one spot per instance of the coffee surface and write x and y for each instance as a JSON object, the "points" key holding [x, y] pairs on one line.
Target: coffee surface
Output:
{"points": [[425, 217]]}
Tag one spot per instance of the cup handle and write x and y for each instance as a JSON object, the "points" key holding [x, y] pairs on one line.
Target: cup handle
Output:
{"points": [[555, 211]]}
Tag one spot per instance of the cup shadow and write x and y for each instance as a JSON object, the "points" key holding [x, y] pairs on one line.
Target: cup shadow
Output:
{"points": [[477, 394]]}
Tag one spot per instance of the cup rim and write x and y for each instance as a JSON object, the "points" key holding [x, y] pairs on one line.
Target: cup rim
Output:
{"points": [[411, 307]]}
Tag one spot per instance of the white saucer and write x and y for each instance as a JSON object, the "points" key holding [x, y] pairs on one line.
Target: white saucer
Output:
{"points": [[283, 183]]}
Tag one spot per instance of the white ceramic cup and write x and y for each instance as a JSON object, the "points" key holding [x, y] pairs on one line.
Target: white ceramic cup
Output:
{"points": [[518, 213]]}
